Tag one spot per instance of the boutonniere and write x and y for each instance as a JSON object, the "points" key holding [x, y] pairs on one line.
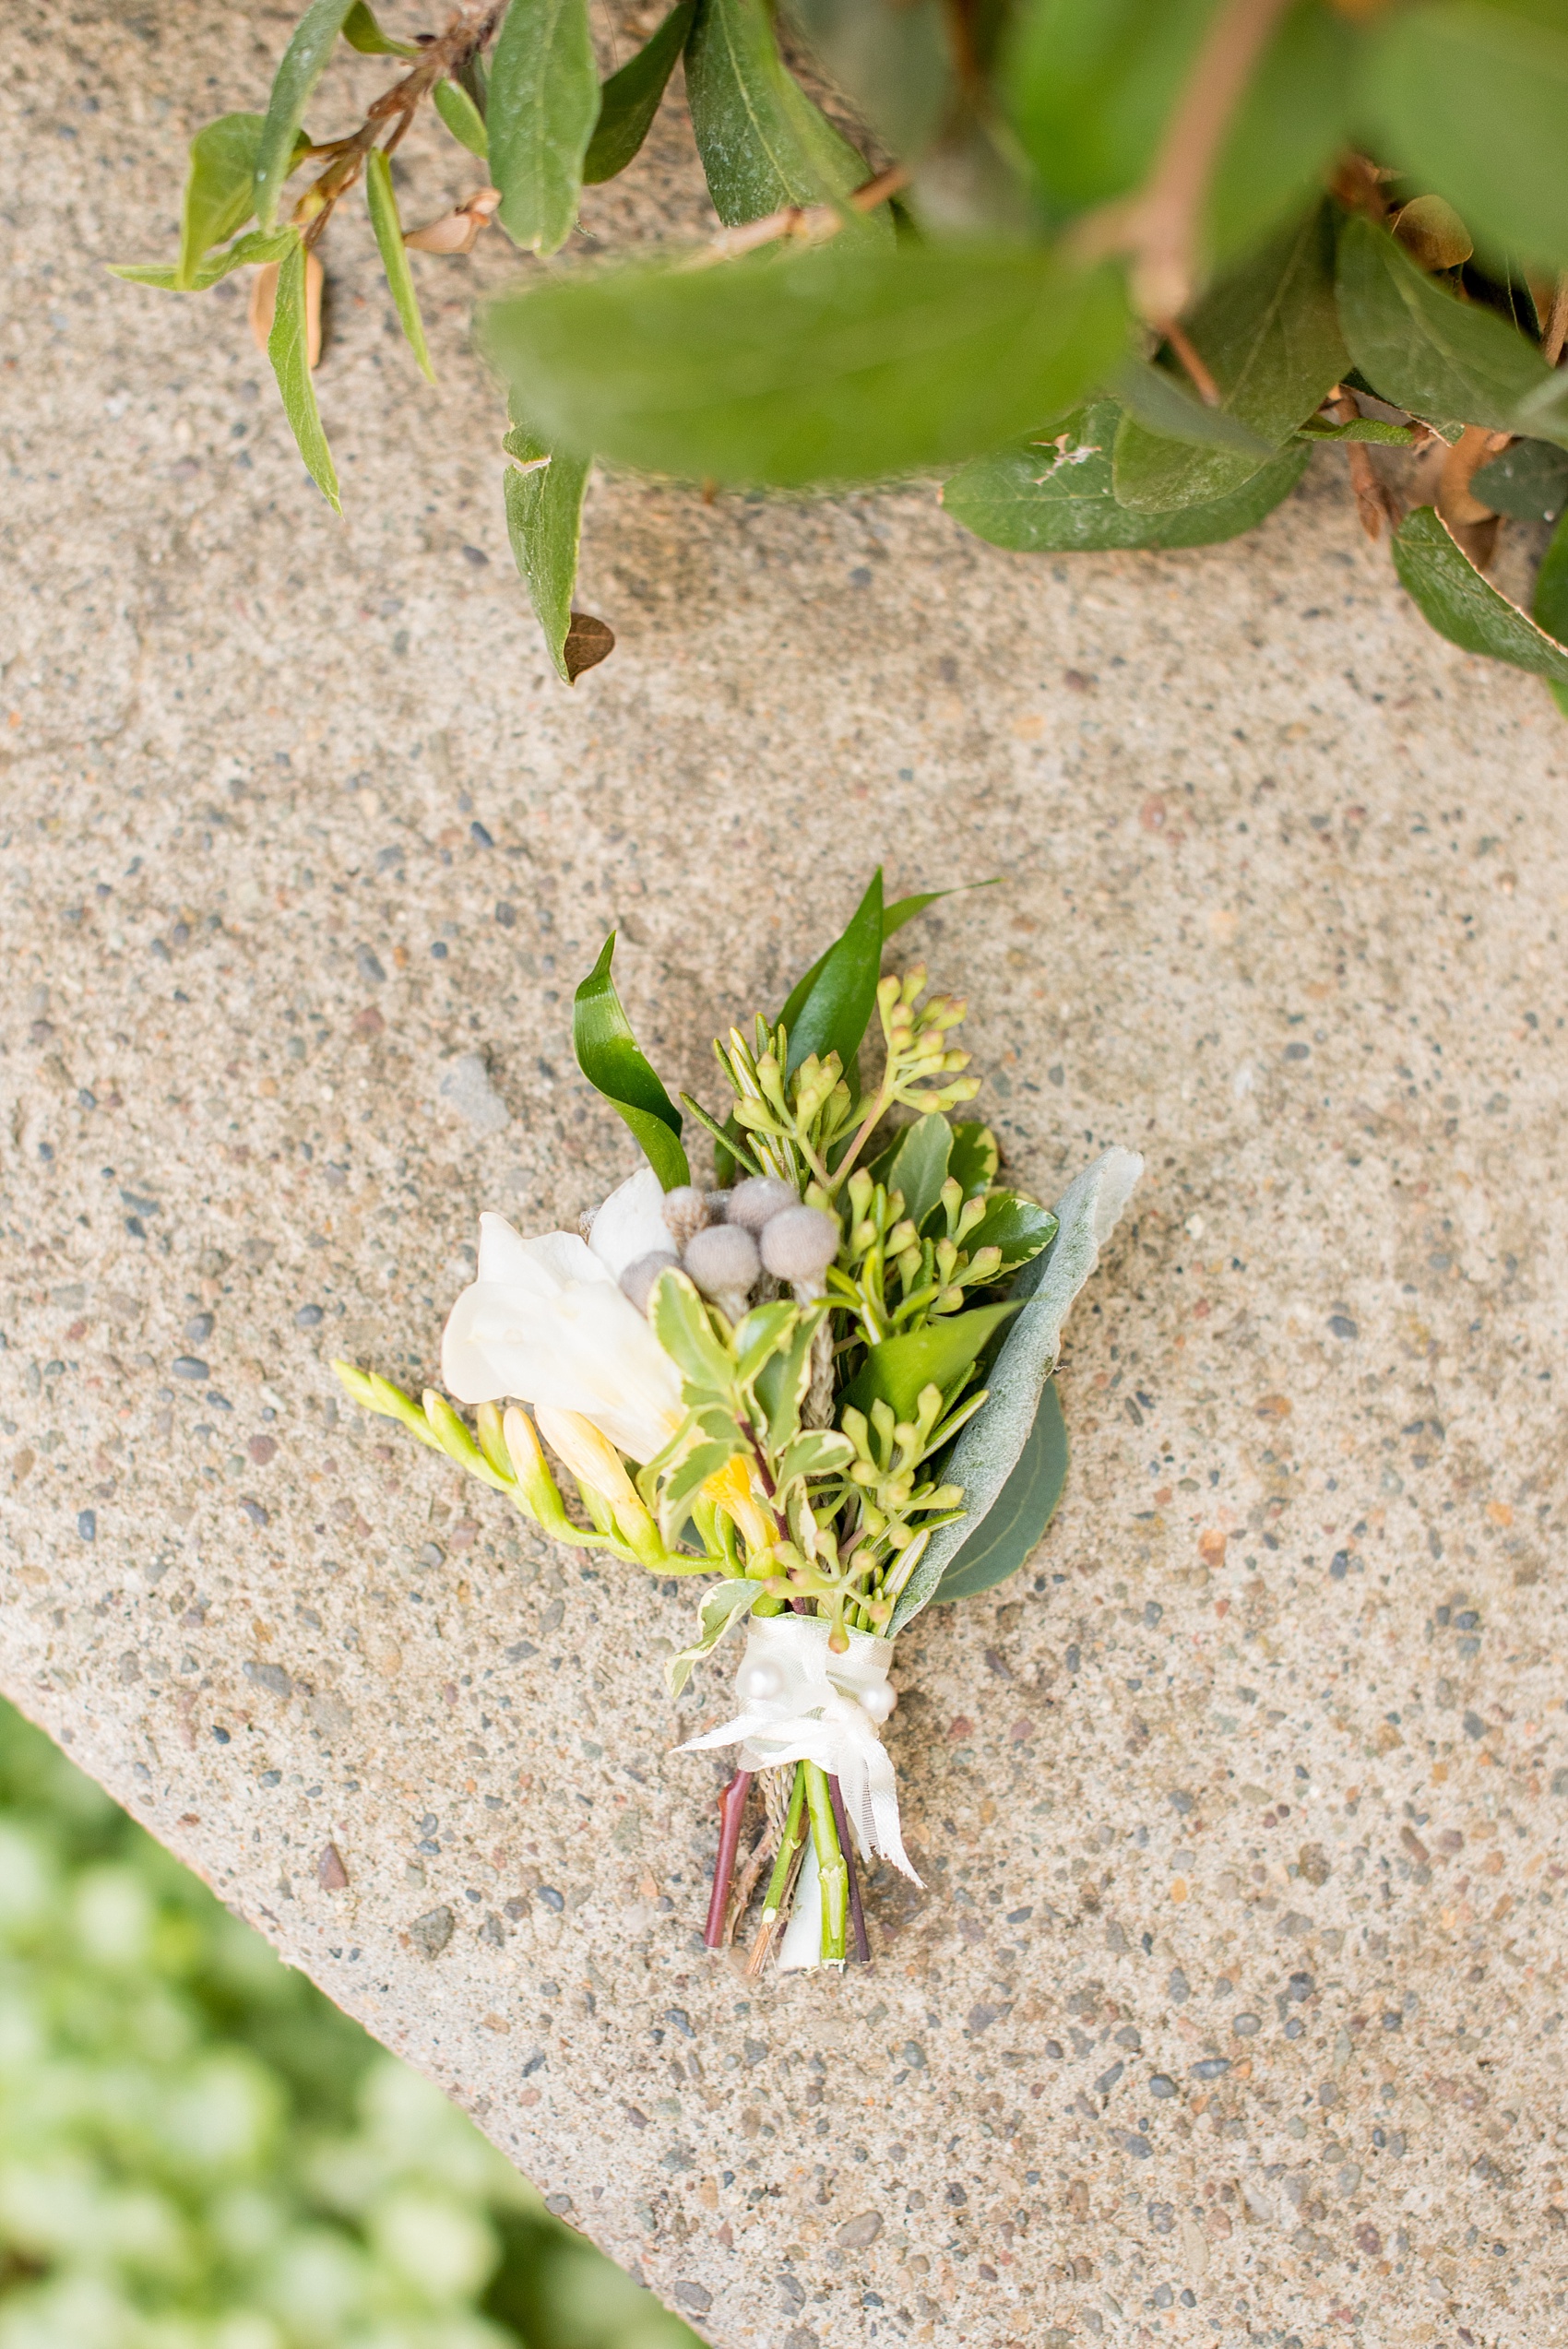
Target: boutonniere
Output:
{"points": [[821, 1382]]}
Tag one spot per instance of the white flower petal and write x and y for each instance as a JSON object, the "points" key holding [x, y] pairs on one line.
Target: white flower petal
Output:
{"points": [[631, 1223]]}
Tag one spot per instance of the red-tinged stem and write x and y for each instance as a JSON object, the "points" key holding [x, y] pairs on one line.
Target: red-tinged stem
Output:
{"points": [[857, 1915], [731, 1810]]}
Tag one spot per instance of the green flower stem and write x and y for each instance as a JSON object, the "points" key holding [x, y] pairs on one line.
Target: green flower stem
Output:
{"points": [[832, 1866], [780, 1884]]}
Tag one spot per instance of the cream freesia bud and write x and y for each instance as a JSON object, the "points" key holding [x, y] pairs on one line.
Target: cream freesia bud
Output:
{"points": [[537, 1487], [590, 1456]]}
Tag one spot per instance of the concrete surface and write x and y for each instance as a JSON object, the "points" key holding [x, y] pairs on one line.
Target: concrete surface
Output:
{"points": [[1243, 1813]]}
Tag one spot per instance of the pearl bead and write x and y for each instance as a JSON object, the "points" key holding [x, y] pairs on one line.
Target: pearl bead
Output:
{"points": [[879, 1700], [759, 1680]]}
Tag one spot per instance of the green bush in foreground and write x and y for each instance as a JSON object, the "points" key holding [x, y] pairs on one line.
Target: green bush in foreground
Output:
{"points": [[198, 2150]]}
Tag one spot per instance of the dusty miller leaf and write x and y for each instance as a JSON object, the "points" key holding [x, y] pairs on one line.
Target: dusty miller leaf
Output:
{"points": [[989, 1448]]}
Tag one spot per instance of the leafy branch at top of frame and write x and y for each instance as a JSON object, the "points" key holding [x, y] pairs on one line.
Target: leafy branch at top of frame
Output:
{"points": [[1146, 258]]}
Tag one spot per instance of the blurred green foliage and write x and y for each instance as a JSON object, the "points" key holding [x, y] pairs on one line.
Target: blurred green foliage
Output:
{"points": [[198, 2150]]}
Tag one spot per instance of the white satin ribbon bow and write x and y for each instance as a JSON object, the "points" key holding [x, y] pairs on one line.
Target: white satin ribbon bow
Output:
{"points": [[801, 1703]]}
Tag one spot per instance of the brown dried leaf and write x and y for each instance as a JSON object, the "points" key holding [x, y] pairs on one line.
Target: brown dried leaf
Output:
{"points": [[264, 303], [588, 641]]}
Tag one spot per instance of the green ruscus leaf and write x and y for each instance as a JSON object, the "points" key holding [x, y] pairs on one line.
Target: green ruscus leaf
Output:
{"points": [[544, 504], [1056, 496], [608, 1057], [631, 98], [542, 104], [1269, 334], [1467, 609], [837, 365], [299, 70], [388, 228], [462, 118], [1422, 349], [1472, 101], [991, 1446], [287, 349], [763, 142], [829, 1009]]}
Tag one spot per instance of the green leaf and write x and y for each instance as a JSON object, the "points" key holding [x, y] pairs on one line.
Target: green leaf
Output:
{"points": [[1423, 349], [1155, 398], [1269, 334], [1363, 428], [361, 32], [939, 1355], [831, 1007], [608, 1056], [1528, 480], [763, 144], [821, 1451], [780, 1385], [1088, 90], [1019, 1227], [462, 118], [219, 190], [543, 493], [165, 275], [394, 253], [1465, 607], [542, 104], [679, 1320], [1016, 1520], [892, 58], [286, 347], [631, 98], [722, 1606], [1550, 604], [894, 917], [1471, 101], [989, 1447], [916, 1166], [834, 364], [299, 70], [1296, 115], [1059, 498], [974, 1158]]}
